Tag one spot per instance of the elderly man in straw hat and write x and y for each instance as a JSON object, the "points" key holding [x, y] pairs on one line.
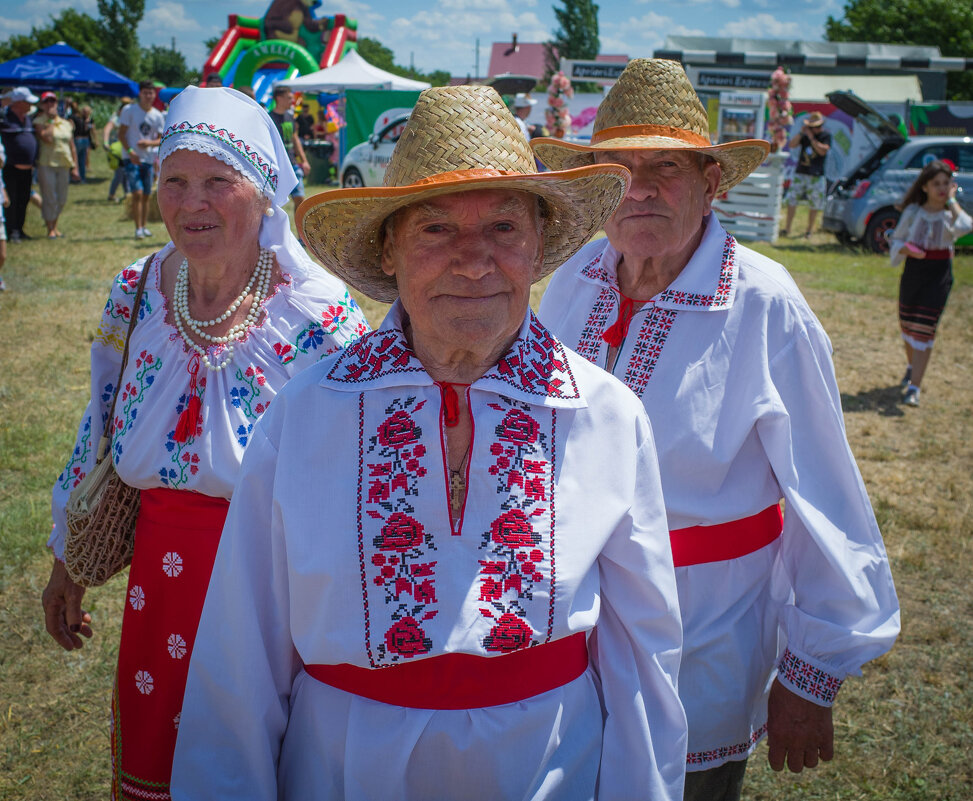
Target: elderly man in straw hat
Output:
{"points": [[446, 573], [736, 375]]}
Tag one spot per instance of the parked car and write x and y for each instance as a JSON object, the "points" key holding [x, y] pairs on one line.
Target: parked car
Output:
{"points": [[861, 205], [364, 164]]}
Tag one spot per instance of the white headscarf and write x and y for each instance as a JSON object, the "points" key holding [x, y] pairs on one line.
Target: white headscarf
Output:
{"points": [[235, 129]]}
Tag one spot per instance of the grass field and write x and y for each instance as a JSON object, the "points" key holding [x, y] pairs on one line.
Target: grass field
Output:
{"points": [[903, 731]]}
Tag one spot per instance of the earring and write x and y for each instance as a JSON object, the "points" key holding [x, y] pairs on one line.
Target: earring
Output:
{"points": [[269, 211]]}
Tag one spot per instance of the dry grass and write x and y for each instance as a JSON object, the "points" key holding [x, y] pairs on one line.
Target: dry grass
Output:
{"points": [[903, 732]]}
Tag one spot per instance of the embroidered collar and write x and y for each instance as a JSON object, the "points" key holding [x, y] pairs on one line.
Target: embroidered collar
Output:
{"points": [[535, 369], [697, 287]]}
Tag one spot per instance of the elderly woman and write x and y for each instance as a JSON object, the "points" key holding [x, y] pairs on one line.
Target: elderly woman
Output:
{"points": [[232, 308], [482, 603], [57, 161]]}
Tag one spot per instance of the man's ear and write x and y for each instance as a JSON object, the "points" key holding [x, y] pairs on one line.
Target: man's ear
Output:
{"points": [[712, 174]]}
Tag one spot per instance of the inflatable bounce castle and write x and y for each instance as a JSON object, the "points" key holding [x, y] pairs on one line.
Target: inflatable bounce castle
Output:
{"points": [[287, 41]]}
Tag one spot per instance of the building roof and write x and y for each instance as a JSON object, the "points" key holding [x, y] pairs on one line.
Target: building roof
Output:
{"points": [[528, 58]]}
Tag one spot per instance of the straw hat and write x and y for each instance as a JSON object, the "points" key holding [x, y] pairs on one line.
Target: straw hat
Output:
{"points": [[458, 139], [653, 106], [814, 120]]}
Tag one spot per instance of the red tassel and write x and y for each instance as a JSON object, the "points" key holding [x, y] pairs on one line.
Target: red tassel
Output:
{"points": [[615, 334], [450, 405], [189, 419]]}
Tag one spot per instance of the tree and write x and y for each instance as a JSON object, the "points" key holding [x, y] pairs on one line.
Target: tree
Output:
{"points": [[72, 27], [946, 23], [119, 21], [576, 37], [378, 55], [165, 65]]}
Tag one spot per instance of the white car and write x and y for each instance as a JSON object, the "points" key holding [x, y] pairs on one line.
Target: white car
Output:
{"points": [[365, 164]]}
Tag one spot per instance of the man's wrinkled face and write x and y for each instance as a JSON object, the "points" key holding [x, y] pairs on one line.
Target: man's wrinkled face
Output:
{"points": [[464, 264], [662, 213]]}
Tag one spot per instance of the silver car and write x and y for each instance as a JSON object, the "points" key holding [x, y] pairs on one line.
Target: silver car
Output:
{"points": [[861, 206]]}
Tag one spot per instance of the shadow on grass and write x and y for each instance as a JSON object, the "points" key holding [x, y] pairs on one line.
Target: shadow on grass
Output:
{"points": [[887, 401]]}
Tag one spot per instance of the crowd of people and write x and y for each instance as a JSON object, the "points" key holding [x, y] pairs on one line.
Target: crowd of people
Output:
{"points": [[597, 552]]}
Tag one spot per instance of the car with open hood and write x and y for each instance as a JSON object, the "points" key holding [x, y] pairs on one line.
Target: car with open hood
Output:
{"points": [[861, 205]]}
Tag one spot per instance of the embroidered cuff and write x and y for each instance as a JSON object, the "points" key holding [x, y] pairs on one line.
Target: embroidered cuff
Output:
{"points": [[807, 680]]}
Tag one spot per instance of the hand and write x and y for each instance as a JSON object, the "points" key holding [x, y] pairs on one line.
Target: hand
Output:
{"points": [[798, 730], [63, 615], [914, 251], [133, 157], [305, 167], [75, 174]]}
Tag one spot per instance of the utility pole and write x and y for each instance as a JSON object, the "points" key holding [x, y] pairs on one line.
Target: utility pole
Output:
{"points": [[476, 61]]}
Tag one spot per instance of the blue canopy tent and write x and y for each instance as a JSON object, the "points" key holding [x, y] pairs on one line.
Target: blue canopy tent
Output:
{"points": [[62, 67]]}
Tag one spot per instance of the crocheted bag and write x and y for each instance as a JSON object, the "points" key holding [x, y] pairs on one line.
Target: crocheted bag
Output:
{"points": [[101, 511]]}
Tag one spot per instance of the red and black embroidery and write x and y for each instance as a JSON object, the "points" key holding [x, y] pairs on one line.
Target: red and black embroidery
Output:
{"points": [[376, 354], [648, 348], [391, 468], [537, 364], [726, 752], [517, 576], [724, 285], [807, 678], [590, 342]]}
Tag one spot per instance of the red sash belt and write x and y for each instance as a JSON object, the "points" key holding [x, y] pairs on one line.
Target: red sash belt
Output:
{"points": [[463, 681], [699, 544], [939, 255]]}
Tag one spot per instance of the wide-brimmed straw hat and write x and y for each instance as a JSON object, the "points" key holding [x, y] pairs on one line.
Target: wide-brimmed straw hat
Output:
{"points": [[653, 106], [814, 120], [458, 139]]}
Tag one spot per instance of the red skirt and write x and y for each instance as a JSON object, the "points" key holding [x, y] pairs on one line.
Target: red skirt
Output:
{"points": [[176, 538]]}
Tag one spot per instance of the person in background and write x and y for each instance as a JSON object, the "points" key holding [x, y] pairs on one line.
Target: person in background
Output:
{"points": [[808, 184], [479, 603], [212, 80], [140, 127], [305, 124], [283, 116], [932, 220], [84, 139], [116, 153], [57, 161], [735, 373], [246, 90], [232, 309], [20, 142], [522, 105]]}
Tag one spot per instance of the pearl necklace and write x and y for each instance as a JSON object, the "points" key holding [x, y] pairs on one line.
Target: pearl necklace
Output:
{"points": [[259, 283]]}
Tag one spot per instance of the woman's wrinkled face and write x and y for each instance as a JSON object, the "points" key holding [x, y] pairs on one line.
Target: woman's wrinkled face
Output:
{"points": [[211, 211], [464, 264]]}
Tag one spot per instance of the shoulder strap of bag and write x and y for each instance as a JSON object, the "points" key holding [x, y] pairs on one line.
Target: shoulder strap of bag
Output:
{"points": [[140, 288]]}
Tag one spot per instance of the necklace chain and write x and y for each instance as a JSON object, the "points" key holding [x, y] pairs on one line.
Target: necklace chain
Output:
{"points": [[259, 283]]}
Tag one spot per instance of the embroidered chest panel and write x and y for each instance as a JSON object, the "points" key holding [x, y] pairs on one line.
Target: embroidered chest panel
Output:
{"points": [[405, 539], [650, 339]]}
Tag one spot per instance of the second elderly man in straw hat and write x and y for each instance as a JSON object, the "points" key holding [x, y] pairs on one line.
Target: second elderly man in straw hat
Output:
{"points": [[447, 572], [735, 372]]}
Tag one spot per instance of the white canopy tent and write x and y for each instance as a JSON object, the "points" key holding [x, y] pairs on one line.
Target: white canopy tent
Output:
{"points": [[352, 72]]}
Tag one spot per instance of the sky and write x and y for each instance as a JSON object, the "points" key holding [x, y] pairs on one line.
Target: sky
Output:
{"points": [[442, 34]]}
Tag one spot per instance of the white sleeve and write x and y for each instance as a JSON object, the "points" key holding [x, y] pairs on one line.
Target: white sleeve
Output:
{"points": [[637, 645], [900, 235], [106, 361], [842, 609], [235, 709], [962, 225]]}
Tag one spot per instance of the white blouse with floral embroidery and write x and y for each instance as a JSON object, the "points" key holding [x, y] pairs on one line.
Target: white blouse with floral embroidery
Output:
{"points": [[307, 317], [735, 373], [340, 547]]}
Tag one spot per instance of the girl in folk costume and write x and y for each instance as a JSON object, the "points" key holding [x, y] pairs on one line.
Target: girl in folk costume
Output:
{"points": [[932, 220], [232, 308]]}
